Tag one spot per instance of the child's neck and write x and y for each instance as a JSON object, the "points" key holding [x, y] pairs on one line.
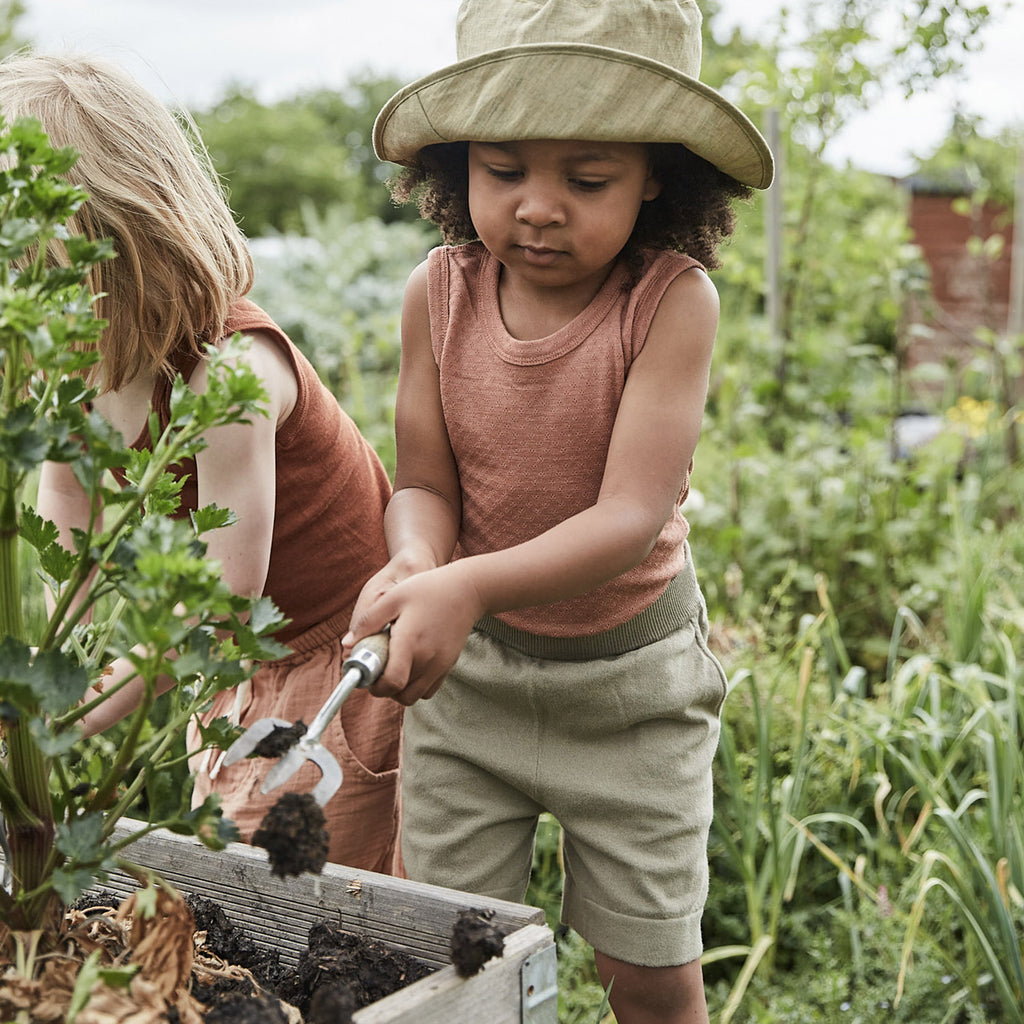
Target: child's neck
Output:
{"points": [[530, 313]]}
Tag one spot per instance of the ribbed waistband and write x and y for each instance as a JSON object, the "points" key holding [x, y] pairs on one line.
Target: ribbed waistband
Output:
{"points": [[327, 632], [679, 603]]}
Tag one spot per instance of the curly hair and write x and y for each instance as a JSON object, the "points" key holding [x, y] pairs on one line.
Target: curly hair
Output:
{"points": [[693, 213]]}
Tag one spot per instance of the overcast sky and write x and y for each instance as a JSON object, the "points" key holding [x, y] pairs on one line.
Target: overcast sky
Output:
{"points": [[189, 51]]}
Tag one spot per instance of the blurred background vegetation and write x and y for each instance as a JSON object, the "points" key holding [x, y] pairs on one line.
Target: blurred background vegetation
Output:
{"points": [[868, 849]]}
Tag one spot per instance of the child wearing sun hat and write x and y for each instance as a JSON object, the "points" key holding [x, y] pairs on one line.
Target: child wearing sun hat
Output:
{"points": [[555, 362]]}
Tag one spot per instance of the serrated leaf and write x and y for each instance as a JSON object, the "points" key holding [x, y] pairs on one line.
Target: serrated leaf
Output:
{"points": [[220, 732], [265, 616], [23, 442], [36, 530], [50, 743], [70, 883], [212, 517], [49, 681], [209, 826], [81, 839]]}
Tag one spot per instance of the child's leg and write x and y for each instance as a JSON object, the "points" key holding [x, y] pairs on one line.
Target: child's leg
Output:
{"points": [[654, 995], [468, 819], [627, 771]]}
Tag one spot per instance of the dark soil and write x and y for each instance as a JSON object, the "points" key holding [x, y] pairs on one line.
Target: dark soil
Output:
{"points": [[233, 945], [281, 740], [294, 834], [239, 1008], [339, 967], [340, 972], [474, 941]]}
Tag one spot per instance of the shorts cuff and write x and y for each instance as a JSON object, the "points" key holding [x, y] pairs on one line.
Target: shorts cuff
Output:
{"points": [[646, 942]]}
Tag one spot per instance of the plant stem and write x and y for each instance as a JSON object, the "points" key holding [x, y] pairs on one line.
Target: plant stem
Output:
{"points": [[11, 620], [29, 821]]}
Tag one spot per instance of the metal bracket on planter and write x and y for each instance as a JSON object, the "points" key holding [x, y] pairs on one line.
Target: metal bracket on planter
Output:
{"points": [[539, 981]]}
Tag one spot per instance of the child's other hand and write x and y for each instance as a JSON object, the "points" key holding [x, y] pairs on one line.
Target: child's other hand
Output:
{"points": [[431, 615], [398, 568]]}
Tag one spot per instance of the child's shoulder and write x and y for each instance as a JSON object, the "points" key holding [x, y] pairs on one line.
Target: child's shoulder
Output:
{"points": [[445, 265], [666, 270], [660, 261], [465, 253]]}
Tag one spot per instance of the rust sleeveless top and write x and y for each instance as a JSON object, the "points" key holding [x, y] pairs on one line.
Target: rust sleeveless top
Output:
{"points": [[530, 422], [331, 491]]}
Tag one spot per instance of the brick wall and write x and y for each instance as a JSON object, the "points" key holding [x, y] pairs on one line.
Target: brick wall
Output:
{"points": [[967, 290]]}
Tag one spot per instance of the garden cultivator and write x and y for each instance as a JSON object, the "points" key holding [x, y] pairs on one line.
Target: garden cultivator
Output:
{"points": [[360, 670]]}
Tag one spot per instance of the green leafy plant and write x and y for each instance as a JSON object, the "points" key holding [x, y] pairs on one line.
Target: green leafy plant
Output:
{"points": [[135, 584], [947, 748]]}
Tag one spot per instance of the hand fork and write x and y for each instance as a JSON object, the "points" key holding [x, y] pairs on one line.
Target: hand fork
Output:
{"points": [[360, 669]]}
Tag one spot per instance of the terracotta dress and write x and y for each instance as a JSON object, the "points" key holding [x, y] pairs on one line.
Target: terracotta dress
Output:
{"points": [[328, 540]]}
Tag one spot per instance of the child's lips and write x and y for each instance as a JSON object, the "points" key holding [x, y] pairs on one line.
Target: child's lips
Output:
{"points": [[538, 255]]}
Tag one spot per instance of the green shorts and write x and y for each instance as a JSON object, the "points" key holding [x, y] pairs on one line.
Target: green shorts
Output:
{"points": [[619, 749]]}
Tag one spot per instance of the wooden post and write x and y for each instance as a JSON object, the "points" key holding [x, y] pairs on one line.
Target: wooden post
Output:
{"points": [[773, 231], [1015, 314]]}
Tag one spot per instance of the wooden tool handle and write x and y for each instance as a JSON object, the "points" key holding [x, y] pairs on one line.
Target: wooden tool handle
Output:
{"points": [[377, 644], [369, 656]]}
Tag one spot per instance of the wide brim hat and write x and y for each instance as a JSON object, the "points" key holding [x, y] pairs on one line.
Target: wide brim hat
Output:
{"points": [[594, 70]]}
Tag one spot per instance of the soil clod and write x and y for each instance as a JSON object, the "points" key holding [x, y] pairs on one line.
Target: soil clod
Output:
{"points": [[332, 1003], [239, 1008], [233, 945], [294, 835], [338, 961], [281, 740], [474, 941]]}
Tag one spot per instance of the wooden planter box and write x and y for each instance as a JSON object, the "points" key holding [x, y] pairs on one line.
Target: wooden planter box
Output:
{"points": [[518, 988]]}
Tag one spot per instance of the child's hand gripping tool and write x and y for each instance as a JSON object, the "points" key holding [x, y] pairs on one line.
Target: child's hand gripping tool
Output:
{"points": [[360, 669]]}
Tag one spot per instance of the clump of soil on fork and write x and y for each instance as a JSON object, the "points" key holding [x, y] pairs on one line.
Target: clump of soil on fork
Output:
{"points": [[294, 834], [280, 740]]}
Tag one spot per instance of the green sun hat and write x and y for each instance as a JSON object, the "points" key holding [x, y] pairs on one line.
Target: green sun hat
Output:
{"points": [[594, 70]]}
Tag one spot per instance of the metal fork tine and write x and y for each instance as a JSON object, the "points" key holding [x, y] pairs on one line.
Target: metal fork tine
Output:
{"points": [[361, 668], [251, 738], [292, 761]]}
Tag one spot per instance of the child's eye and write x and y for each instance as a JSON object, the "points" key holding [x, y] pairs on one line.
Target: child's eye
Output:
{"points": [[589, 184], [503, 174]]}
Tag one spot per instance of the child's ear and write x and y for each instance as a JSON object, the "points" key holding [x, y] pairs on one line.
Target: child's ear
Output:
{"points": [[652, 188]]}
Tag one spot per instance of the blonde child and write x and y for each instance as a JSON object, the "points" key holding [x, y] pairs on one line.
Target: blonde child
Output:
{"points": [[308, 490], [554, 374]]}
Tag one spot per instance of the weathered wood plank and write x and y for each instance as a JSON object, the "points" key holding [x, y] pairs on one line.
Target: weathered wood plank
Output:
{"points": [[494, 995], [409, 916]]}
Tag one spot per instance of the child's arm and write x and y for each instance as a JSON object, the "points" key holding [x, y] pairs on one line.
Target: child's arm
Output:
{"points": [[421, 523], [62, 500], [655, 434], [236, 470]]}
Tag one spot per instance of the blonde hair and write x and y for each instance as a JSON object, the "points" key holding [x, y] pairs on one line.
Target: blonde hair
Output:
{"points": [[181, 259]]}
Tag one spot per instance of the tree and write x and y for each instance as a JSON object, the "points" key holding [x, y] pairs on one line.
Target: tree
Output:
{"points": [[828, 61], [311, 150], [10, 12]]}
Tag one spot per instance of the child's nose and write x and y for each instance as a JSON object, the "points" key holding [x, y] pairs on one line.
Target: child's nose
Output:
{"points": [[540, 206]]}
